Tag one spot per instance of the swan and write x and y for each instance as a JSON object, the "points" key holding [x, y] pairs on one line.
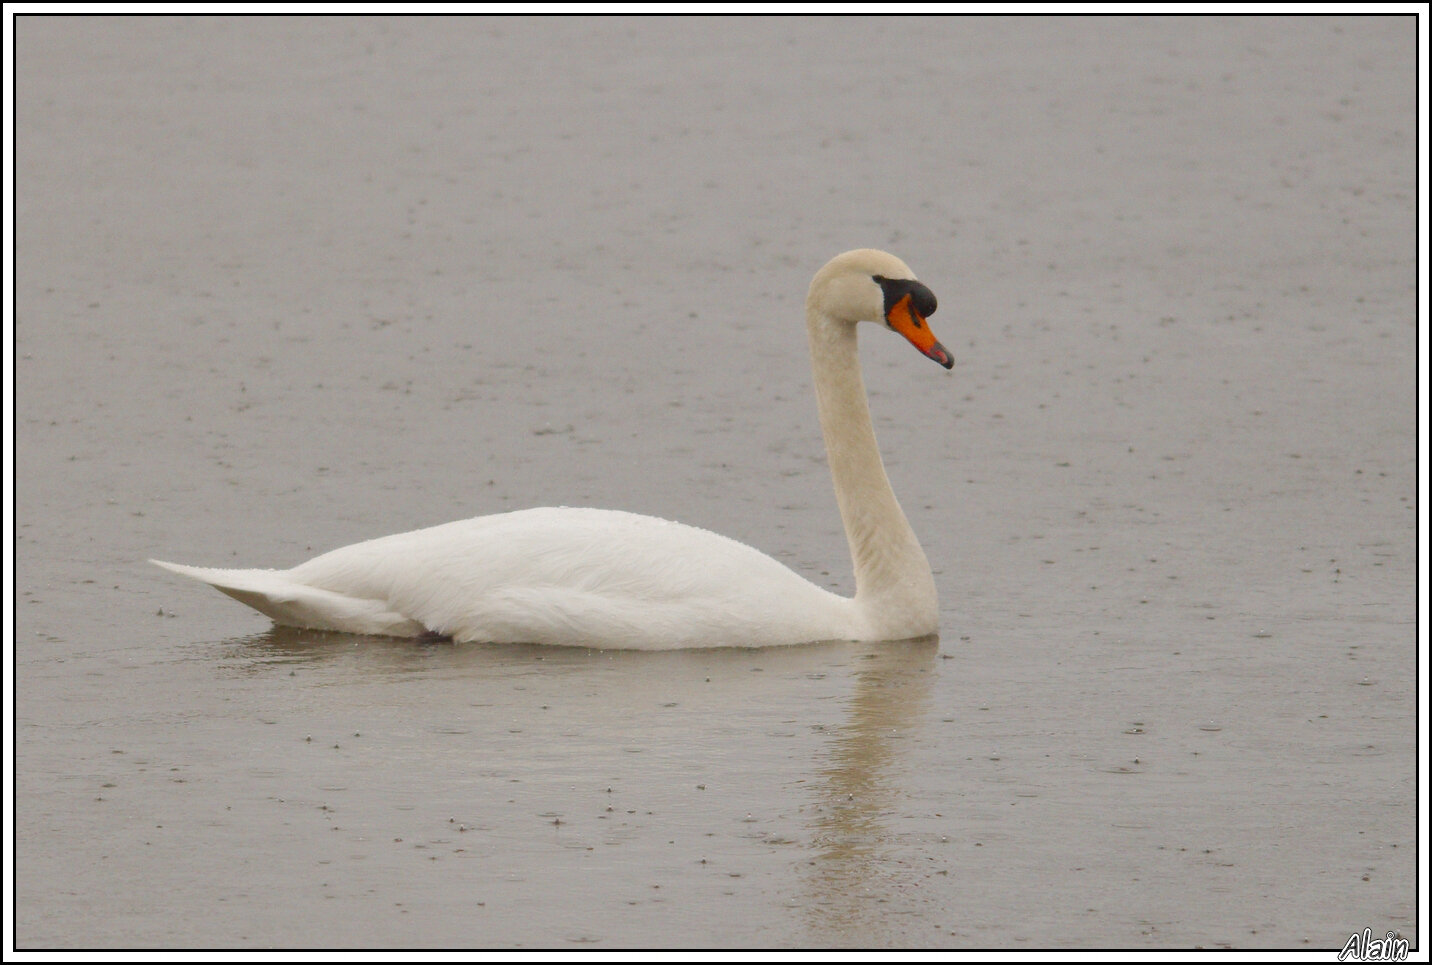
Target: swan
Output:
{"points": [[615, 580]]}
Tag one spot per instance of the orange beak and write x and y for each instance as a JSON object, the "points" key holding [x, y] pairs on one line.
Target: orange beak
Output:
{"points": [[903, 318]]}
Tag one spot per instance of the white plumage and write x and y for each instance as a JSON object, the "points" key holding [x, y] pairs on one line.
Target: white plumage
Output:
{"points": [[608, 579]]}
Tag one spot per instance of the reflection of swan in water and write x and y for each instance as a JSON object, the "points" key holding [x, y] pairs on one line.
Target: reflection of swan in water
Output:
{"points": [[479, 723], [857, 882], [608, 579]]}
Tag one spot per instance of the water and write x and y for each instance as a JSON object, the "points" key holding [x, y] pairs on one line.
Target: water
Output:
{"points": [[287, 284]]}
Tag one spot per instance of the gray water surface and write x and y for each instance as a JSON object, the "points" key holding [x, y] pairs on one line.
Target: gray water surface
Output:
{"points": [[285, 284]]}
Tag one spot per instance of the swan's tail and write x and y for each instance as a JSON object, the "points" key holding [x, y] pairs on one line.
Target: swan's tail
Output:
{"points": [[276, 595]]}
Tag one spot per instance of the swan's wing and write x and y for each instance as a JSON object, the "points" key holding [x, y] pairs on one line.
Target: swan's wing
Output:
{"points": [[278, 596], [582, 577]]}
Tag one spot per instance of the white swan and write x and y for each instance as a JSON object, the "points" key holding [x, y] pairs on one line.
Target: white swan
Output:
{"points": [[607, 579]]}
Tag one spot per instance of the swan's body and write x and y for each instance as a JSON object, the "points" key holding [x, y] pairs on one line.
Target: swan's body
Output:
{"points": [[591, 576], [601, 578]]}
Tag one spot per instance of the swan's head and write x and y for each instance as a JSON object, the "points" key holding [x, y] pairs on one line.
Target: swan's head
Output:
{"points": [[866, 285]]}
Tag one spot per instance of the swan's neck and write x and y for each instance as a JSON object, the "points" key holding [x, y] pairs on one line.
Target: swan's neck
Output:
{"points": [[893, 584]]}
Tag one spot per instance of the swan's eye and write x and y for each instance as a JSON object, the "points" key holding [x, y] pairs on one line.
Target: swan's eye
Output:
{"points": [[922, 300]]}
